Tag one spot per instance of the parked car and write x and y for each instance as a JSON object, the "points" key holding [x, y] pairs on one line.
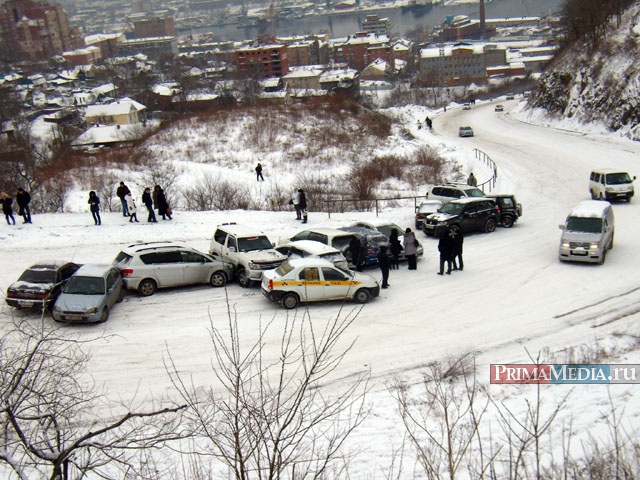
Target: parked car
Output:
{"points": [[445, 192], [465, 214], [385, 227], [466, 106], [499, 108], [146, 267], [609, 184], [510, 209], [89, 295], [249, 251], [370, 241], [311, 248], [465, 131], [426, 208], [312, 280], [329, 236], [40, 284], [587, 233]]}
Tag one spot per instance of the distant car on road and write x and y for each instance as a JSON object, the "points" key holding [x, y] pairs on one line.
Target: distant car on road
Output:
{"points": [[40, 284], [314, 279], [509, 96], [466, 106], [465, 131], [499, 108]]}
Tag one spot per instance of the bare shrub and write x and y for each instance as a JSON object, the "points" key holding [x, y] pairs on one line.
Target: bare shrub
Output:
{"points": [[52, 194], [164, 174], [211, 192], [429, 166], [275, 419]]}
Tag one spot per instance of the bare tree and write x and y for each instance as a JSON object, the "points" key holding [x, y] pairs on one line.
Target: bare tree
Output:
{"points": [[275, 419], [49, 421]]}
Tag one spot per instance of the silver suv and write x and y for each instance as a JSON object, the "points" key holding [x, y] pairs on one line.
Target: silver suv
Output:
{"points": [[146, 267], [445, 192], [247, 249]]}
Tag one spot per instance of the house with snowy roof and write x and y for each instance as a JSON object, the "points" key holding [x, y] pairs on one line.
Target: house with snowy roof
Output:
{"points": [[121, 112]]}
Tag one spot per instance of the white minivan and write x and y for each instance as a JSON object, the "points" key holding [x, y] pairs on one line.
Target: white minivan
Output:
{"points": [[608, 184], [587, 233]]}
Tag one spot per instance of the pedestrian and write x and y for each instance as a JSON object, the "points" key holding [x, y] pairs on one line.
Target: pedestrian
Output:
{"points": [[7, 208], [410, 245], [384, 263], [471, 181], [355, 252], [303, 205], [395, 247], [446, 247], [458, 239], [259, 172], [122, 191], [428, 122], [24, 199], [148, 202], [162, 205], [131, 206], [94, 206], [295, 201]]}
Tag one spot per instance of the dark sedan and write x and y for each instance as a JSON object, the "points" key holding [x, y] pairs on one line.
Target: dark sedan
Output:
{"points": [[40, 284]]}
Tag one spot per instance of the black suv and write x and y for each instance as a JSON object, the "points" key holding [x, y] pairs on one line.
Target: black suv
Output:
{"points": [[510, 209], [465, 214]]}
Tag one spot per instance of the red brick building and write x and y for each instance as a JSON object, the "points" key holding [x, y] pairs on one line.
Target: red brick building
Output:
{"points": [[362, 49], [34, 30], [265, 61]]}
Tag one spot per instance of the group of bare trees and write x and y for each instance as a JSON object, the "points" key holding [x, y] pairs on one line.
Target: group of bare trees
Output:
{"points": [[588, 19]]}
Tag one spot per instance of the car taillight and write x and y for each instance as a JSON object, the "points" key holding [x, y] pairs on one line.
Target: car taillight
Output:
{"points": [[270, 284], [11, 294], [126, 272], [42, 296]]}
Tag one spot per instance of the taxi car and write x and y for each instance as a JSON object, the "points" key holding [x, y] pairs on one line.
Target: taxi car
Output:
{"points": [[313, 280]]}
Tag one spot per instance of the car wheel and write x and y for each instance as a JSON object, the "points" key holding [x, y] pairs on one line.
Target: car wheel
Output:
{"points": [[454, 228], [289, 300], [218, 279], [147, 287], [611, 242], [490, 226], [603, 257], [507, 221], [104, 316], [600, 196], [123, 292], [362, 296], [243, 278], [593, 195]]}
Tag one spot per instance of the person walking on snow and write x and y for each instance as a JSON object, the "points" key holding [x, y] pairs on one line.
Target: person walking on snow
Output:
{"points": [[148, 202], [122, 192], [259, 172], [131, 206], [303, 205], [94, 206], [7, 208], [410, 248], [162, 204], [24, 198]]}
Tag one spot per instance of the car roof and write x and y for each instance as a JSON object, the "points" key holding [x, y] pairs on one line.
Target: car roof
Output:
{"points": [[240, 230], [139, 247], [333, 232], [590, 208], [310, 262], [49, 265], [608, 170], [379, 222], [93, 270], [311, 246], [498, 195]]}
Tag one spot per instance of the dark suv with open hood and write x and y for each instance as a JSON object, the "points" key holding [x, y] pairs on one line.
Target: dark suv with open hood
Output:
{"points": [[465, 214]]}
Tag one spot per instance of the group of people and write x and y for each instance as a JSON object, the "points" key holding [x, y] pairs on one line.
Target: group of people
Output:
{"points": [[150, 200], [23, 199], [450, 248]]}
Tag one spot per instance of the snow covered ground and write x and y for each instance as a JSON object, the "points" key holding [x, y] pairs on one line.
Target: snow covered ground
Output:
{"points": [[513, 297]]}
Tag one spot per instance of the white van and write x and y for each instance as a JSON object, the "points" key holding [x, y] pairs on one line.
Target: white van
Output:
{"points": [[587, 233], [609, 184]]}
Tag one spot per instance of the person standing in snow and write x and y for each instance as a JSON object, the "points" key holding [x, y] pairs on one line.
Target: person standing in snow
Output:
{"points": [[446, 247], [384, 264], [410, 248], [471, 181], [7, 208], [303, 205], [355, 249], [148, 202], [162, 204], [295, 201], [122, 191], [259, 172], [94, 206], [458, 240], [131, 206], [395, 248], [24, 199]]}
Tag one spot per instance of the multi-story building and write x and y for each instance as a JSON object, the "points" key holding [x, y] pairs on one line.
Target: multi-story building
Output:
{"points": [[34, 30], [307, 50], [264, 61], [83, 56], [360, 50], [106, 42], [153, 47], [459, 64], [374, 24], [155, 27]]}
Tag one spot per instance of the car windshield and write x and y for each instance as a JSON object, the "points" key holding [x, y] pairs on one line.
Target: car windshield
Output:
{"points": [[377, 240], [452, 208], [85, 286], [386, 229], [584, 224], [474, 192], [38, 276], [617, 178], [249, 244]]}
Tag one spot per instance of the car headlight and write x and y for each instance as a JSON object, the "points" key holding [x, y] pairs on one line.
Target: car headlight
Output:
{"points": [[594, 246], [252, 266], [565, 244], [57, 309], [92, 310]]}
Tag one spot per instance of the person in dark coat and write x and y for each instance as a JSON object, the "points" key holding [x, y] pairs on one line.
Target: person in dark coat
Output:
{"points": [[384, 262], [446, 247], [259, 172], [23, 198], [410, 248], [355, 249], [429, 122], [7, 208], [162, 205], [395, 248], [471, 181], [303, 205], [94, 206], [148, 202], [458, 239], [122, 191]]}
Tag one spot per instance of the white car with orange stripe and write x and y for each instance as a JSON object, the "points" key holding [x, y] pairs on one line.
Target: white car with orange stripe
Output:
{"points": [[313, 280]]}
